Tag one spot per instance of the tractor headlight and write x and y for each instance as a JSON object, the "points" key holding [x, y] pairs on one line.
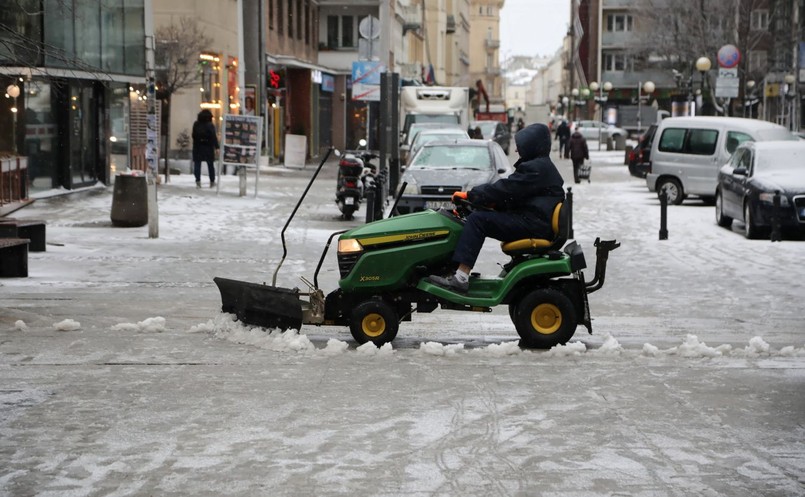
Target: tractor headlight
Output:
{"points": [[349, 246], [768, 198]]}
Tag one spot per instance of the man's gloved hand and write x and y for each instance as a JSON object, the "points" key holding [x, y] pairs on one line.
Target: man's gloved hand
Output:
{"points": [[459, 195]]}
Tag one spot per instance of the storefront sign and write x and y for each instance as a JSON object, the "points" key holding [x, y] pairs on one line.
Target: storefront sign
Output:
{"points": [[327, 83]]}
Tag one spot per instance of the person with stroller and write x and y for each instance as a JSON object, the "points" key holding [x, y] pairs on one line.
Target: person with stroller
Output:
{"points": [[577, 146]]}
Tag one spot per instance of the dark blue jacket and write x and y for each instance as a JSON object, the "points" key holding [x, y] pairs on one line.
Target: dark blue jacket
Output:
{"points": [[535, 187]]}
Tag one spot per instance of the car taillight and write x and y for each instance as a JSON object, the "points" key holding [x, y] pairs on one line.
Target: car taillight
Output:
{"points": [[350, 184], [631, 155]]}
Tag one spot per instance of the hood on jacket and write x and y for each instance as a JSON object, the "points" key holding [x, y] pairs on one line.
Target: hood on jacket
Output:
{"points": [[533, 141]]}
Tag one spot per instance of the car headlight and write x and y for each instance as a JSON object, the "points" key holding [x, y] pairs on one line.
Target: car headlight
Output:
{"points": [[768, 198], [412, 186]]}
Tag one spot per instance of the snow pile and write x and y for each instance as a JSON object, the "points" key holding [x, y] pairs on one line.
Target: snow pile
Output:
{"points": [[500, 349], [440, 349], [20, 325], [67, 325], [150, 325], [226, 327], [370, 350], [334, 347], [611, 346], [570, 349]]}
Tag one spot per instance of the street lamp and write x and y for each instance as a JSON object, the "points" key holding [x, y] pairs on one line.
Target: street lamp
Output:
{"points": [[601, 99], [790, 93], [579, 99], [750, 99], [13, 91], [648, 89], [703, 65]]}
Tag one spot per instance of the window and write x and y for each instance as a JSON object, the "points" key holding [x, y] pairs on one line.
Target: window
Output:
{"points": [[672, 140], [617, 62], [759, 20], [702, 142], [341, 32], [619, 22], [735, 138], [758, 60]]}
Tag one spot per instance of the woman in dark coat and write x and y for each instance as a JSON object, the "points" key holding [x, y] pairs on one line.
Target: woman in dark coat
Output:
{"points": [[578, 153], [205, 144]]}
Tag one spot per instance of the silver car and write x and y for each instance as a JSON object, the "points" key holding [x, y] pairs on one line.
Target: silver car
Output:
{"points": [[442, 168], [593, 130]]}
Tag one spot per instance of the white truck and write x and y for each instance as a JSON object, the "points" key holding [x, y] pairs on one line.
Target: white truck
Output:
{"points": [[432, 104]]}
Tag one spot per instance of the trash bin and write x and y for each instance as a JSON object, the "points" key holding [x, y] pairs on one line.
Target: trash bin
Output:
{"points": [[130, 201], [629, 149]]}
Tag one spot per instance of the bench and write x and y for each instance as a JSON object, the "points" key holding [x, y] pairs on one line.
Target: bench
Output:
{"points": [[14, 257], [24, 228]]}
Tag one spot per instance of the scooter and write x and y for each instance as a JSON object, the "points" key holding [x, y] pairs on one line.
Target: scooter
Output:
{"points": [[349, 185], [384, 267]]}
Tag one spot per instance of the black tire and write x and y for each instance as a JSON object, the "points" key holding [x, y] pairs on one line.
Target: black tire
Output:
{"points": [[373, 321], [346, 214], [751, 230], [673, 190], [545, 318], [721, 219]]}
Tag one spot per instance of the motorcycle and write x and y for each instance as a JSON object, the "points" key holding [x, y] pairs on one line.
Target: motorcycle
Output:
{"points": [[357, 176]]}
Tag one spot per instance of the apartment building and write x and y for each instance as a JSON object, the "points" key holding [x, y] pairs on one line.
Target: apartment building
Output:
{"points": [[485, 46]]}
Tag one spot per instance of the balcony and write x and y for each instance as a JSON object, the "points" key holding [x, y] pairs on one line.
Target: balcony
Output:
{"points": [[451, 24], [617, 39], [491, 44]]}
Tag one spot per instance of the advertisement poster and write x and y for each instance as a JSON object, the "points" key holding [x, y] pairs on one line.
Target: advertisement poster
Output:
{"points": [[250, 107], [241, 140]]}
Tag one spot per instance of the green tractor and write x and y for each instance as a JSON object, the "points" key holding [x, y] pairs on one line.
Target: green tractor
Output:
{"points": [[384, 267]]}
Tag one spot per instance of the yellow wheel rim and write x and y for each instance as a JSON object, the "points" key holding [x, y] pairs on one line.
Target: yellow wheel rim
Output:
{"points": [[373, 325], [546, 319]]}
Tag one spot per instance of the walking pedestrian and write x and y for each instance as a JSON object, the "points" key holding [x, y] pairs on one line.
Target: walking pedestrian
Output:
{"points": [[578, 153], [205, 144], [563, 135]]}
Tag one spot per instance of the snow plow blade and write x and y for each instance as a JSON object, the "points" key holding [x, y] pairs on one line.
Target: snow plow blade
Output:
{"points": [[261, 305]]}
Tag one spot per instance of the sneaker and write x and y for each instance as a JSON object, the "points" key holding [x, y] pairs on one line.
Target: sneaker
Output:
{"points": [[450, 283], [198, 184]]}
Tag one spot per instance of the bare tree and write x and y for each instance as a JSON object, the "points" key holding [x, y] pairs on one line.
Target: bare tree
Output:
{"points": [[178, 46], [673, 34]]}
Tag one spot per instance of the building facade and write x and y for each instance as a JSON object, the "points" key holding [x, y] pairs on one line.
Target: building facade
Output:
{"points": [[75, 65], [485, 46]]}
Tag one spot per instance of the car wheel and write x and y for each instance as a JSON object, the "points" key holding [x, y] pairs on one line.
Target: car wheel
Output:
{"points": [[373, 321], [673, 190], [544, 318], [721, 219], [751, 230]]}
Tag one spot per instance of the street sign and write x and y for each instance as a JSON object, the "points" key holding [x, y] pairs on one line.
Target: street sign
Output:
{"points": [[728, 56], [366, 80], [727, 87], [728, 73]]}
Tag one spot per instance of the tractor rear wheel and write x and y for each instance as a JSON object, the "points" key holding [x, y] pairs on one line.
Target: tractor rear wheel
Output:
{"points": [[545, 318], [373, 321]]}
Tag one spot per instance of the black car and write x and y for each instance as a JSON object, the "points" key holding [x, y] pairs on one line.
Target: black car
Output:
{"points": [[496, 131], [640, 156], [748, 183]]}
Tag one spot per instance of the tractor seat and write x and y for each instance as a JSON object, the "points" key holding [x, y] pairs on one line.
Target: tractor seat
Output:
{"points": [[539, 246]]}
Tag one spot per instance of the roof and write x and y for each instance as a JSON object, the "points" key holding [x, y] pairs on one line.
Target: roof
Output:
{"points": [[740, 122], [777, 145]]}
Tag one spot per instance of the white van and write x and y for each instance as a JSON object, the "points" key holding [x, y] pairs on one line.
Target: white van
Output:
{"points": [[687, 152]]}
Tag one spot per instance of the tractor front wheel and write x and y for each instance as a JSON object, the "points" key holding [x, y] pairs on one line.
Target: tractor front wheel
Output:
{"points": [[544, 318], [373, 321]]}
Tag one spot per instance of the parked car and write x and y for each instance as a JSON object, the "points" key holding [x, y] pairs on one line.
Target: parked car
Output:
{"points": [[640, 156], [439, 169], [415, 128], [595, 130], [687, 152], [437, 134], [495, 130], [748, 183]]}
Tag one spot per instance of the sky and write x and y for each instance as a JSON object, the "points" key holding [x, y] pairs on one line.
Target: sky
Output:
{"points": [[533, 27]]}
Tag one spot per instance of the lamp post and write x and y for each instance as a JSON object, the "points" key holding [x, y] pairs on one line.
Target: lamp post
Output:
{"points": [[648, 89], [601, 99], [579, 99], [790, 94], [565, 102], [703, 65], [750, 99], [13, 91]]}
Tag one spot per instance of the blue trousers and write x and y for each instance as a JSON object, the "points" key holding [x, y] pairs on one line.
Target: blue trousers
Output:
{"points": [[210, 169], [503, 226]]}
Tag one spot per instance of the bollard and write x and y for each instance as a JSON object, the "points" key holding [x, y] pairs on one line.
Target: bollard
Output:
{"points": [[663, 215], [776, 232], [370, 205], [569, 202], [241, 171]]}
